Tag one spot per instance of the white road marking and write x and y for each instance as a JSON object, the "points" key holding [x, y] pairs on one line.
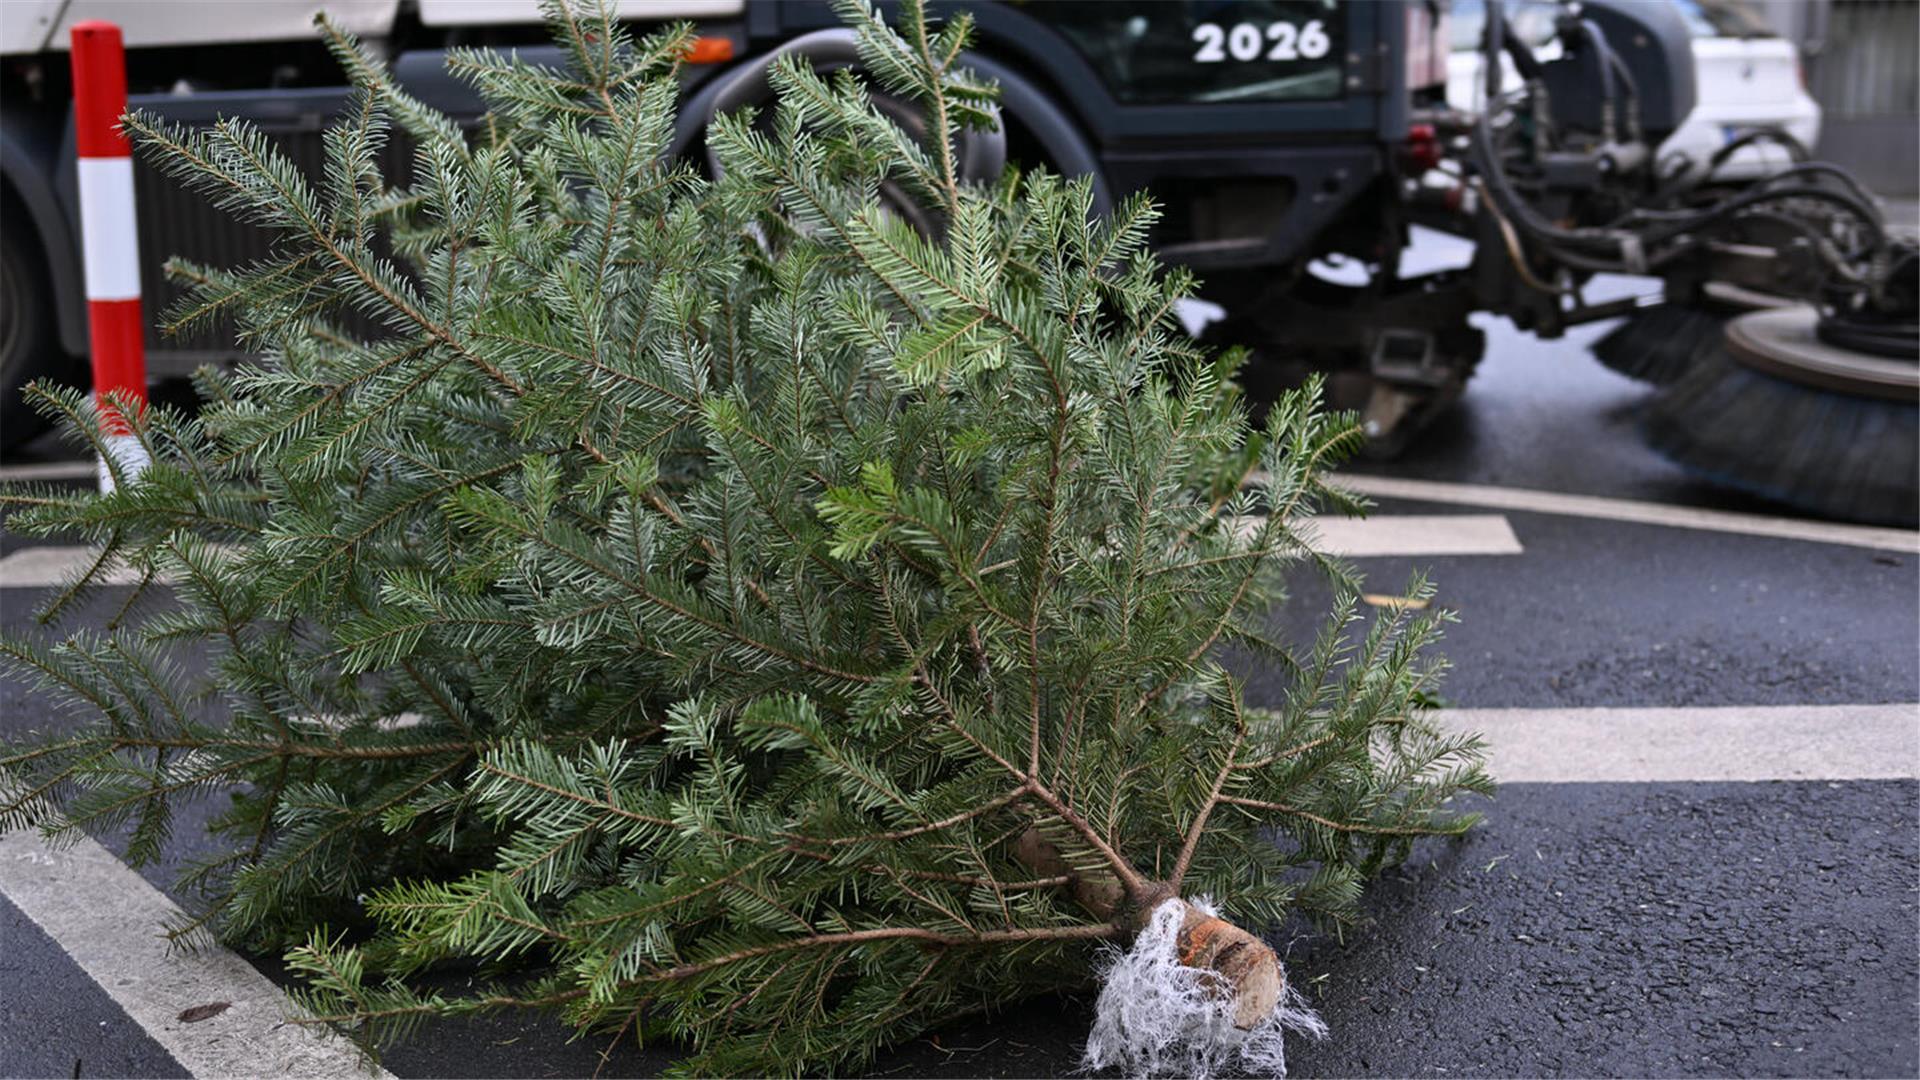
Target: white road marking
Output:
{"points": [[1417, 534], [113, 935], [1384, 534], [1733, 743], [108, 919], [42, 567], [47, 470], [1644, 513]]}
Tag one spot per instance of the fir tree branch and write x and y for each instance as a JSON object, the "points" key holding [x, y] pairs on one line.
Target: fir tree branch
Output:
{"points": [[1290, 752], [998, 803], [1197, 830], [1340, 826], [327, 245], [275, 749], [921, 935], [942, 134], [725, 733], [609, 807], [646, 596]]}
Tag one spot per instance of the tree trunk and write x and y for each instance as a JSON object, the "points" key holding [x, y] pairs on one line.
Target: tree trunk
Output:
{"points": [[1240, 962]]}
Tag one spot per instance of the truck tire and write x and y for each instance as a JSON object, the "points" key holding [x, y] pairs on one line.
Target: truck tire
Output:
{"points": [[28, 349]]}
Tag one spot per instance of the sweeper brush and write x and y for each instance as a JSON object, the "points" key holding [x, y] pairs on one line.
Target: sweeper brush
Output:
{"points": [[1784, 342], [1785, 409], [1658, 344]]}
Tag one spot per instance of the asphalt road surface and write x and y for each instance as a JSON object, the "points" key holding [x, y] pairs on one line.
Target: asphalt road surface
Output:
{"points": [[1668, 922]]}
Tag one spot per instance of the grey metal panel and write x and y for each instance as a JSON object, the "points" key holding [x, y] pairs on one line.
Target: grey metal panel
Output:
{"points": [[1867, 64], [1324, 181], [175, 221], [1865, 73]]}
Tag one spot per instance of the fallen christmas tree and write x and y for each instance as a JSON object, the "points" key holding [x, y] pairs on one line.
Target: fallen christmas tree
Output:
{"points": [[749, 619]]}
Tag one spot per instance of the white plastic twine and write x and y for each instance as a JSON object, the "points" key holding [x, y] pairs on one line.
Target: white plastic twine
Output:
{"points": [[1158, 1017]]}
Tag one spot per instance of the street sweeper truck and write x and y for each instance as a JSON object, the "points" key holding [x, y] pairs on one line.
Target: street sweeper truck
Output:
{"points": [[1279, 137]]}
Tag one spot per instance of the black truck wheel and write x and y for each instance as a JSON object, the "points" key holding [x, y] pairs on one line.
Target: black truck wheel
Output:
{"points": [[27, 346]]}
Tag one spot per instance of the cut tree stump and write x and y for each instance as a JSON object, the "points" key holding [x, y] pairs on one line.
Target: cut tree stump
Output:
{"points": [[1241, 964]]}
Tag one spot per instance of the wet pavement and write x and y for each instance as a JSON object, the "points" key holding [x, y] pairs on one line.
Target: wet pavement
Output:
{"points": [[1766, 929]]}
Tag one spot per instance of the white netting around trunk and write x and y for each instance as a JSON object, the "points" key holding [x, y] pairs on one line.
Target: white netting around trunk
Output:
{"points": [[1158, 1017]]}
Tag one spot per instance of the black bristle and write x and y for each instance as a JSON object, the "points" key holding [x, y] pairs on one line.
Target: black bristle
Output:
{"points": [[1833, 454], [1659, 344]]}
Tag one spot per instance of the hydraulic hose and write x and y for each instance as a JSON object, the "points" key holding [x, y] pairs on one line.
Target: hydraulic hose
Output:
{"points": [[1868, 208], [1492, 43], [1632, 88], [1725, 207], [1495, 42], [1656, 237], [1796, 149], [1609, 91], [1516, 208], [1676, 180], [1613, 249]]}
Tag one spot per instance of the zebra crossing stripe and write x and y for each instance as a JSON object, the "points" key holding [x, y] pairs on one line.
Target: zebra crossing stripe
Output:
{"points": [[1386, 534], [109, 920], [1697, 744]]}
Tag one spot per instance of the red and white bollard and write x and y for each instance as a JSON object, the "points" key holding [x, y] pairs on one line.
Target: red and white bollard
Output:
{"points": [[110, 242]]}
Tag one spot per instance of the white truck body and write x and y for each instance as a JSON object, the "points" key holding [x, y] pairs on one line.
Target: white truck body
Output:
{"points": [[31, 26]]}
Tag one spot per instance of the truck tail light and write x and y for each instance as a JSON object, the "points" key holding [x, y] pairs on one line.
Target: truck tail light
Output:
{"points": [[709, 50], [1423, 150]]}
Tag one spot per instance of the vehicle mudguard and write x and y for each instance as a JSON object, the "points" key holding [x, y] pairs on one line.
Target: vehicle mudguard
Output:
{"points": [[983, 153], [29, 160], [1068, 150], [1654, 43]]}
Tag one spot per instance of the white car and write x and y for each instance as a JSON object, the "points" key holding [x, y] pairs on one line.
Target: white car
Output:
{"points": [[1748, 77]]}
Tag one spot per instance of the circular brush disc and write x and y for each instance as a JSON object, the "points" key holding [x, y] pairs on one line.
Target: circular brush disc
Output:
{"points": [[1778, 413]]}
